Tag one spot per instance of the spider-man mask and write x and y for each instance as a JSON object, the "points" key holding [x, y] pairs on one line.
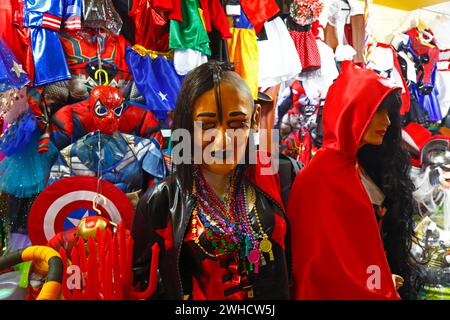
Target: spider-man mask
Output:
{"points": [[106, 104]]}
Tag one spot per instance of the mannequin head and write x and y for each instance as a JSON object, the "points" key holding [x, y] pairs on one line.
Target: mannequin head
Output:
{"points": [[216, 107], [378, 126], [388, 165]]}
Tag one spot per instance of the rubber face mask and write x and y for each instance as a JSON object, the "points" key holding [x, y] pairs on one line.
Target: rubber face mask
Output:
{"points": [[225, 127], [107, 106], [436, 153]]}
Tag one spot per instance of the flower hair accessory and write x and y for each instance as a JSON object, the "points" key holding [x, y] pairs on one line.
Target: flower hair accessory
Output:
{"points": [[304, 12]]}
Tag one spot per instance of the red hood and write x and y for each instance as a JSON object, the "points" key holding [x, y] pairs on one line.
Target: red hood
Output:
{"points": [[350, 104], [335, 238]]}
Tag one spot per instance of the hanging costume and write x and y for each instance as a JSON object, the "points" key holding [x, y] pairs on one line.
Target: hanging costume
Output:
{"points": [[124, 159], [190, 33], [151, 27], [301, 16], [278, 58], [81, 49], [44, 19], [335, 237], [426, 56], [101, 14], [384, 61], [258, 12], [155, 79], [243, 51], [167, 215], [72, 122]]}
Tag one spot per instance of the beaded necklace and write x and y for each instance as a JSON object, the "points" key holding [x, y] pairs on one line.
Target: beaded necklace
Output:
{"points": [[228, 227]]}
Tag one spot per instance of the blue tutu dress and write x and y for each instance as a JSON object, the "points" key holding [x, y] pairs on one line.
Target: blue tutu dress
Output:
{"points": [[25, 173]]}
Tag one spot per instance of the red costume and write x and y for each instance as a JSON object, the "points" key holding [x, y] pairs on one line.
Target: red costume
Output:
{"points": [[258, 12], [336, 243], [151, 28]]}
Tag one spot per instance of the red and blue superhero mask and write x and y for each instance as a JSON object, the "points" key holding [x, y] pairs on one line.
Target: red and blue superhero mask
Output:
{"points": [[107, 105]]}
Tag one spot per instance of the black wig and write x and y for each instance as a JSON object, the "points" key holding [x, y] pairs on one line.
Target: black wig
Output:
{"points": [[200, 80], [388, 165]]}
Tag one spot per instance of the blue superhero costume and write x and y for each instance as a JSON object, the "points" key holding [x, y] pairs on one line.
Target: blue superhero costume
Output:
{"points": [[123, 160], [44, 18]]}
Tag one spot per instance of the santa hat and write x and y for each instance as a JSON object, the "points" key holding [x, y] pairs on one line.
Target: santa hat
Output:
{"points": [[415, 136]]}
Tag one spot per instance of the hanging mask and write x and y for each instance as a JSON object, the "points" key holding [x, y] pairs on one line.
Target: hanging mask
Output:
{"points": [[436, 153], [107, 106]]}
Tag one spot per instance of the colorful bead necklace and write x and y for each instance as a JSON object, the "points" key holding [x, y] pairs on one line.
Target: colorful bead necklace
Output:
{"points": [[227, 225]]}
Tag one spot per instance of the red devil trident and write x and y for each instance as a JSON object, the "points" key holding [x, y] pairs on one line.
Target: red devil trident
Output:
{"points": [[107, 270]]}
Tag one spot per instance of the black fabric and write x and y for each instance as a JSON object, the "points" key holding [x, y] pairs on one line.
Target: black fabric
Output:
{"points": [[288, 170], [167, 207], [219, 48], [55, 269], [416, 113], [123, 7]]}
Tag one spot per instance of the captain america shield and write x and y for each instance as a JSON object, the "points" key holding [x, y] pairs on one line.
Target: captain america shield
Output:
{"points": [[64, 203]]}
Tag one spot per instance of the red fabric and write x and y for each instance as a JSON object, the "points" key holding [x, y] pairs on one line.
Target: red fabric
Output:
{"points": [[176, 13], [134, 119], [258, 12], [15, 35], [208, 284], [348, 33], [80, 47], [151, 29], [214, 15], [307, 49], [163, 5], [334, 234], [418, 133], [419, 48], [265, 176], [305, 155], [297, 92]]}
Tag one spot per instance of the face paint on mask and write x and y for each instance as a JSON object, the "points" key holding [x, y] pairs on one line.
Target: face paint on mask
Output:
{"points": [[436, 153], [106, 104]]}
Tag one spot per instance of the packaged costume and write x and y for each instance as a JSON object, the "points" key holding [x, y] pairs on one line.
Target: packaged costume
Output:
{"points": [[432, 231], [335, 237], [101, 14], [278, 58], [44, 18]]}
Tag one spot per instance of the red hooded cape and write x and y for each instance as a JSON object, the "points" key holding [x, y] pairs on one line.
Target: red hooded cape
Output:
{"points": [[337, 251]]}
